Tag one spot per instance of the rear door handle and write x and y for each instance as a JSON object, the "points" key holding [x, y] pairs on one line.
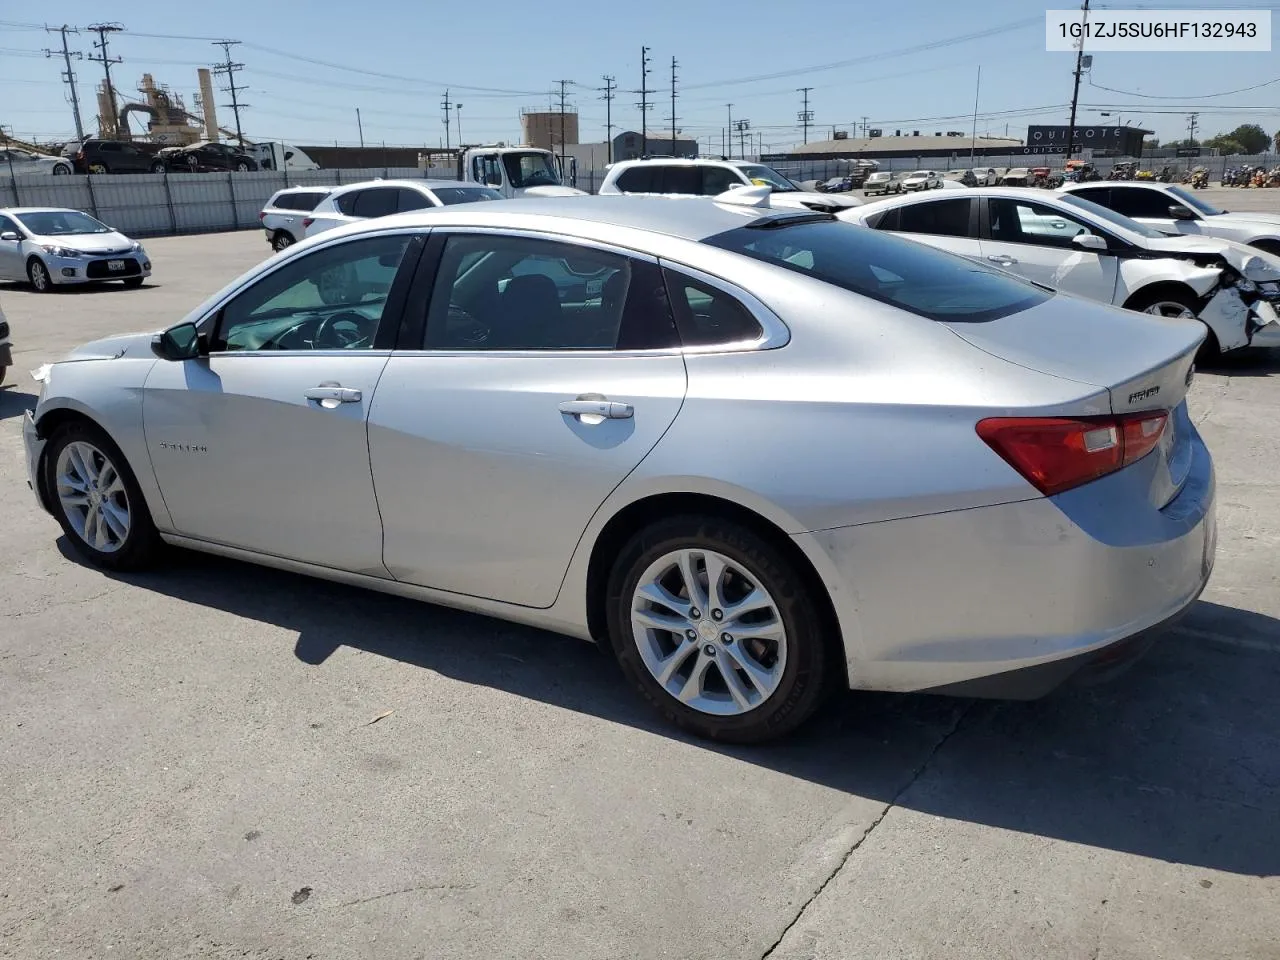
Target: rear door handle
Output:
{"points": [[331, 394], [609, 409], [1003, 260]]}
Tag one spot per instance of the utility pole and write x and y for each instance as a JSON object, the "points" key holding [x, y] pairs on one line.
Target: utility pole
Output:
{"points": [[1192, 123], [563, 84], [805, 115], [446, 106], [1075, 91], [973, 140], [457, 119], [360, 127], [69, 76], [864, 127], [644, 103], [229, 69], [673, 106], [104, 57], [730, 107], [742, 127], [609, 88]]}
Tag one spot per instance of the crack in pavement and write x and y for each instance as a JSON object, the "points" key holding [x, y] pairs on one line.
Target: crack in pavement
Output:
{"points": [[414, 889], [58, 603], [893, 802]]}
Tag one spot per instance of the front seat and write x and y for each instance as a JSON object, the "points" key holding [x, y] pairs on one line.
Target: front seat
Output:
{"points": [[529, 314]]}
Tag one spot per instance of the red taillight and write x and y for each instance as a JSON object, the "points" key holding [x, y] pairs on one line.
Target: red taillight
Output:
{"points": [[262, 215], [308, 221], [1058, 453]]}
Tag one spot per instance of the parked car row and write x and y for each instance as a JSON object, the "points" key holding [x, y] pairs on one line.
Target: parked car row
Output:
{"points": [[97, 155]]}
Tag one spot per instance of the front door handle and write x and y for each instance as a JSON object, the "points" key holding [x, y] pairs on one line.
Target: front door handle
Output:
{"points": [[1003, 260], [330, 395], [608, 409]]}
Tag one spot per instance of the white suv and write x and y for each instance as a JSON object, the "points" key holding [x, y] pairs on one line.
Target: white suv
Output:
{"points": [[282, 216], [709, 178], [381, 198]]}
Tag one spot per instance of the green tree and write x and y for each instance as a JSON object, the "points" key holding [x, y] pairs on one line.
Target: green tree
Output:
{"points": [[1277, 143], [1251, 136], [1227, 145]]}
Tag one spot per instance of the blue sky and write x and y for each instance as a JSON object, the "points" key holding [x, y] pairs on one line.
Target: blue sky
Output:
{"points": [[502, 55]]}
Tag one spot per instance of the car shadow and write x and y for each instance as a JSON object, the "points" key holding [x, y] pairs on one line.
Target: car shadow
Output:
{"points": [[1250, 362], [1176, 760], [14, 402]]}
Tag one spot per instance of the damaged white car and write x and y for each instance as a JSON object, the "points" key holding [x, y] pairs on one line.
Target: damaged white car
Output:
{"points": [[1064, 241]]}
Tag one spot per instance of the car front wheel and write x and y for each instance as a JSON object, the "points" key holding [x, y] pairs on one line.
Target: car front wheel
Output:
{"points": [[281, 240], [38, 274], [96, 499], [718, 629]]}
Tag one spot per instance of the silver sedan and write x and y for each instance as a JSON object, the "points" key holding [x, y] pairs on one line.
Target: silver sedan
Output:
{"points": [[759, 454]]}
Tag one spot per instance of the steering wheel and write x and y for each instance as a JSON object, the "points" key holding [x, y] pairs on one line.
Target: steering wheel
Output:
{"points": [[341, 331]]}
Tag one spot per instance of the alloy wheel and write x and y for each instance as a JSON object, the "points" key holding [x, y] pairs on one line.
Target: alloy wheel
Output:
{"points": [[1171, 309], [92, 495], [39, 275], [709, 633]]}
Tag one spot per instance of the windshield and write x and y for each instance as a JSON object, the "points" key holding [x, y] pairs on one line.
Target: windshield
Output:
{"points": [[919, 173], [884, 267], [532, 169], [1113, 218], [769, 176], [61, 223], [1194, 202], [448, 195], [879, 176]]}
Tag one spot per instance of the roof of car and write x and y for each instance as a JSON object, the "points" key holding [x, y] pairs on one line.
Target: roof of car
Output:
{"points": [[11, 210], [691, 161], [689, 218]]}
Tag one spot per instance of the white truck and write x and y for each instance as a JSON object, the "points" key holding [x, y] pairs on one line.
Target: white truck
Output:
{"points": [[519, 171], [280, 156]]}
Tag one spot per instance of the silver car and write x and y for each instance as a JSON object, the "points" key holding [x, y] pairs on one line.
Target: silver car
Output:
{"points": [[759, 454], [382, 198], [51, 246]]}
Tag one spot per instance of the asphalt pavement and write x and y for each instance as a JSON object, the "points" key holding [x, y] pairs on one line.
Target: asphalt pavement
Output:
{"points": [[219, 761]]}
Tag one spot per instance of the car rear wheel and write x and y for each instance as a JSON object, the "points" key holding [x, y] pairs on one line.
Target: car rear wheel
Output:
{"points": [[718, 629], [157, 166], [242, 166], [61, 169], [98, 168], [1176, 305], [38, 274], [282, 239], [96, 499]]}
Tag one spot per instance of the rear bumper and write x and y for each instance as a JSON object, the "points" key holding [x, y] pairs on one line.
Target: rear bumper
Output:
{"points": [[1010, 600]]}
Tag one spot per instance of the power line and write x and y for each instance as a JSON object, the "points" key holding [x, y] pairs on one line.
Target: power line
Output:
{"points": [[104, 57], [68, 75], [805, 115], [1198, 96], [609, 88], [228, 68]]}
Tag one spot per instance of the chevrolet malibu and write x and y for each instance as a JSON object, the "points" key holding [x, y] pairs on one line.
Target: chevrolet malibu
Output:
{"points": [[50, 246], [757, 453]]}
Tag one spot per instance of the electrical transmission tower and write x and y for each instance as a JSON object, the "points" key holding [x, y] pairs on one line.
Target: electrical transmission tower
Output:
{"points": [[644, 104], [228, 68], [805, 115], [446, 105], [103, 30], [610, 91], [674, 64], [562, 84], [68, 75]]}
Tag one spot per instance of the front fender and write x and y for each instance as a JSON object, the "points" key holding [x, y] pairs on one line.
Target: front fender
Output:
{"points": [[1138, 274], [109, 394]]}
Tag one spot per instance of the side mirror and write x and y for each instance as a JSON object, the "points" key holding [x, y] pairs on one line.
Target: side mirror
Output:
{"points": [[181, 342], [1089, 241], [9, 235], [1179, 212]]}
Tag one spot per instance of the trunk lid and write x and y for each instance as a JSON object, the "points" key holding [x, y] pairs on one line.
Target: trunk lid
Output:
{"points": [[1144, 362]]}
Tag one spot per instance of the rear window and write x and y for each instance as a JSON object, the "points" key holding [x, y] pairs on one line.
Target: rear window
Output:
{"points": [[299, 201], [893, 270], [635, 180]]}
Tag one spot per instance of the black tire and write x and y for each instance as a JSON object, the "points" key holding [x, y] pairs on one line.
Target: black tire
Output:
{"points": [[243, 166], [134, 281], [1144, 300], [142, 544], [1267, 246], [158, 167], [281, 240], [803, 684], [38, 276], [98, 168], [61, 169]]}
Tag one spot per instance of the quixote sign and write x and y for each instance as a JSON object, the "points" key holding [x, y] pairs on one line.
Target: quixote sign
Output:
{"points": [[1103, 137]]}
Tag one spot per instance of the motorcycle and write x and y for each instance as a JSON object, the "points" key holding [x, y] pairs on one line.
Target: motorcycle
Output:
{"points": [[1200, 178], [1146, 175], [1166, 175]]}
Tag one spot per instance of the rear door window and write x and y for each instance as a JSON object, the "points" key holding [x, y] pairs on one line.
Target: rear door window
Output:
{"points": [[940, 218], [884, 267], [377, 202], [346, 203], [412, 200], [680, 179], [707, 316]]}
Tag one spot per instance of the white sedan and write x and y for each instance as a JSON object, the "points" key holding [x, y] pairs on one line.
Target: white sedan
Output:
{"points": [[921, 180], [20, 163], [1063, 241], [1175, 210]]}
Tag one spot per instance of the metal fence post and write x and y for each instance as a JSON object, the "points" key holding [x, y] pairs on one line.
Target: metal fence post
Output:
{"points": [[168, 199], [235, 214], [93, 197]]}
